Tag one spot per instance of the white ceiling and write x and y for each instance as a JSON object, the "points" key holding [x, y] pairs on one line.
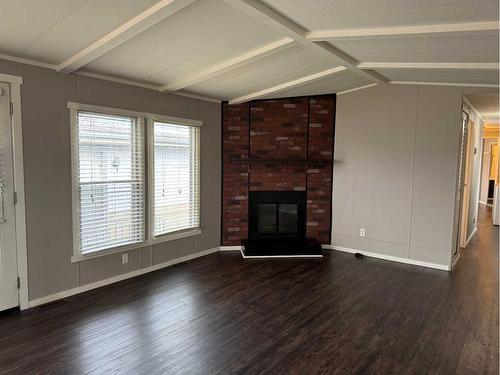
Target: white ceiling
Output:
{"points": [[487, 105], [242, 49], [349, 14]]}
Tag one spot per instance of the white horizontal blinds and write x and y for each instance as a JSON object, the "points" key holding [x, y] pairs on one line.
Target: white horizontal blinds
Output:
{"points": [[176, 178], [110, 180]]}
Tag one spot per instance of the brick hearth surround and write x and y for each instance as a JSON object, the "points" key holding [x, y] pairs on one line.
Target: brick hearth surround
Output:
{"points": [[278, 145]]}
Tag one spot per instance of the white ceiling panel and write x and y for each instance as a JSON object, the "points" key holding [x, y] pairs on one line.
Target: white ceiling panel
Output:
{"points": [[288, 65], [476, 47], [23, 22], [442, 75], [337, 83], [484, 104], [203, 34], [218, 49], [481, 90], [348, 14], [53, 30]]}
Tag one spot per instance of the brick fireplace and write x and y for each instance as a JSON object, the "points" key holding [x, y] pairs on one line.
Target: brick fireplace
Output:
{"points": [[277, 145]]}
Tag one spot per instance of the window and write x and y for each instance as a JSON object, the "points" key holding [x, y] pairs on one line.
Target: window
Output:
{"points": [[110, 181], [176, 178], [110, 188]]}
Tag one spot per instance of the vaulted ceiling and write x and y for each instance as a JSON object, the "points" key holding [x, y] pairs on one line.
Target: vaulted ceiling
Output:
{"points": [[239, 50]]}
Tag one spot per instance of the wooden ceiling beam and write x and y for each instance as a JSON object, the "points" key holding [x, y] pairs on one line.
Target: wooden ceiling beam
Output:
{"points": [[229, 65], [270, 17], [288, 85], [326, 35], [131, 28], [428, 65]]}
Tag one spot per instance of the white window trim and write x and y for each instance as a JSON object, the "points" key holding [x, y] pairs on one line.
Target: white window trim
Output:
{"points": [[148, 121], [126, 112]]}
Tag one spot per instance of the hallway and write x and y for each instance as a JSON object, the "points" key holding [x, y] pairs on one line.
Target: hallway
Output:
{"points": [[476, 285], [483, 247]]}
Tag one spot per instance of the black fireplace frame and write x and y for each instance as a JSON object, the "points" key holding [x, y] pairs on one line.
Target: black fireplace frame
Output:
{"points": [[277, 197]]}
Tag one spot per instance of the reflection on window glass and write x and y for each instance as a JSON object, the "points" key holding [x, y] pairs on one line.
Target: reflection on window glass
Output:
{"points": [[110, 181], [176, 178]]}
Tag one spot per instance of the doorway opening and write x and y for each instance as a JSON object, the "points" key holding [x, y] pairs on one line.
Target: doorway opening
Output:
{"points": [[478, 176], [489, 170], [467, 223], [13, 254]]}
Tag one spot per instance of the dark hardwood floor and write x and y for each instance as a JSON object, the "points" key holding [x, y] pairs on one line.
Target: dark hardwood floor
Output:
{"points": [[220, 314]]}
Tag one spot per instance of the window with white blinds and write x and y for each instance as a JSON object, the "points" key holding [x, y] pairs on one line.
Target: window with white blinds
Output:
{"points": [[176, 203], [110, 179]]}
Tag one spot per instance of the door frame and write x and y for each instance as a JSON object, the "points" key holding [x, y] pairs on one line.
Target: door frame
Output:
{"points": [[15, 83], [467, 181]]}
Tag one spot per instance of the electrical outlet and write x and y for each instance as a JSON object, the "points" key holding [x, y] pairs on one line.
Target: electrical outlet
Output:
{"points": [[125, 258], [362, 232]]}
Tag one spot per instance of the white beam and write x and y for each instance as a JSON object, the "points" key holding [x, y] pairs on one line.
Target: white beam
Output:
{"points": [[121, 34], [123, 81], [270, 17], [102, 77], [403, 30], [425, 65], [444, 84], [229, 65], [287, 85], [357, 88]]}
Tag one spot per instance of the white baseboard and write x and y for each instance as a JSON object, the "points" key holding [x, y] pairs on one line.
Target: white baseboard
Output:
{"points": [[230, 248], [114, 279], [389, 257], [485, 203], [470, 237], [455, 261]]}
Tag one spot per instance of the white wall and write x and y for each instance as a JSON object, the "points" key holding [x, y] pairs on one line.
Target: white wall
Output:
{"points": [[395, 171]]}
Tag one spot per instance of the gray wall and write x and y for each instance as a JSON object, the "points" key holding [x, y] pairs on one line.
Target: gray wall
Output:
{"points": [[395, 171], [46, 137], [476, 169]]}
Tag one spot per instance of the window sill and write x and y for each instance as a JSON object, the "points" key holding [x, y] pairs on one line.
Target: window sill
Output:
{"points": [[135, 246]]}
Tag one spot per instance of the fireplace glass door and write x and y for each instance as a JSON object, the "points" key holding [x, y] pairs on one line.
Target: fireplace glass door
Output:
{"points": [[266, 218], [287, 218], [277, 218], [277, 214]]}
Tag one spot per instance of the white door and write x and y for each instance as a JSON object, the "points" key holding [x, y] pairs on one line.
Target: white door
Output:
{"points": [[9, 296]]}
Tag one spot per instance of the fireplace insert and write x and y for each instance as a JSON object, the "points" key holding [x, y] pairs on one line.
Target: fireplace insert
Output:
{"points": [[277, 214], [277, 225]]}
